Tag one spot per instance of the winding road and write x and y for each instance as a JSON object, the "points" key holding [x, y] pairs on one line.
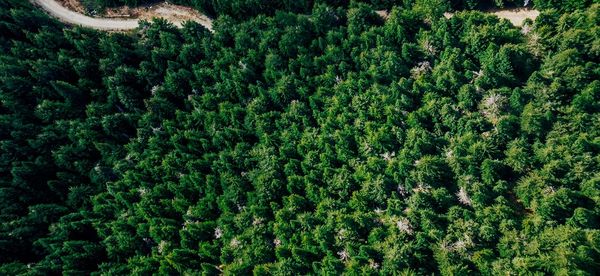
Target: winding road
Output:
{"points": [[55, 9]]}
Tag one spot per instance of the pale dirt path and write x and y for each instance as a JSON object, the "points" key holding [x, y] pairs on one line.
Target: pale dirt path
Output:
{"points": [[177, 15], [515, 16], [171, 13]]}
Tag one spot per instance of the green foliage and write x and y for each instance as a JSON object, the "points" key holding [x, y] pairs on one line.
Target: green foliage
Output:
{"points": [[316, 138]]}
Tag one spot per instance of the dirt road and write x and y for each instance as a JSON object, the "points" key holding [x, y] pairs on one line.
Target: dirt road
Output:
{"points": [[518, 16], [177, 15], [172, 13], [515, 16]]}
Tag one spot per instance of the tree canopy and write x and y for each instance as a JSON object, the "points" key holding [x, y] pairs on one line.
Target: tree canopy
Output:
{"points": [[302, 138]]}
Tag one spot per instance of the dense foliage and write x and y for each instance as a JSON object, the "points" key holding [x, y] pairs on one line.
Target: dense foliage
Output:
{"points": [[317, 143]]}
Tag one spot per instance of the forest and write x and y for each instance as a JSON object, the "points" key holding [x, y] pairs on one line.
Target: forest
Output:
{"points": [[303, 138]]}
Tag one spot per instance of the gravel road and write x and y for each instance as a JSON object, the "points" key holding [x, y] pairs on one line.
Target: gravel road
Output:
{"points": [[55, 9], [63, 14], [515, 16]]}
